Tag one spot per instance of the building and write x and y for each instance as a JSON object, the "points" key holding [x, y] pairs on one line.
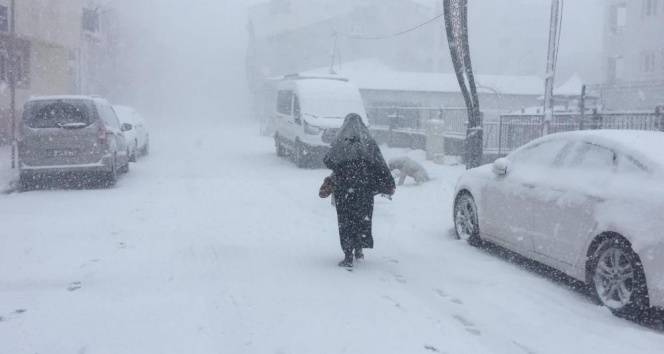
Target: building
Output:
{"points": [[422, 96], [288, 36], [633, 55], [58, 46]]}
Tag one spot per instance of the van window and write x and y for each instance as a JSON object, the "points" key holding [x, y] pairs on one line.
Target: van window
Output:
{"points": [[56, 113], [285, 102]]}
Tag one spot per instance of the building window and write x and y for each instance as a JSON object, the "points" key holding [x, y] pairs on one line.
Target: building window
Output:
{"points": [[650, 7], [648, 62], [616, 69], [21, 62], [4, 19], [90, 20], [618, 18]]}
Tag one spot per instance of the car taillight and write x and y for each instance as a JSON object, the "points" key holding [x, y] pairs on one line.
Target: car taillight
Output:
{"points": [[102, 135]]}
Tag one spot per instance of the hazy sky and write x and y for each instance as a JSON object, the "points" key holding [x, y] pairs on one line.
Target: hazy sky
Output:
{"points": [[188, 56]]}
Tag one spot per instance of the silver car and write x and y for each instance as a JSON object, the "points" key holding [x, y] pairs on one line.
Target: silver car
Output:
{"points": [[586, 203], [71, 134]]}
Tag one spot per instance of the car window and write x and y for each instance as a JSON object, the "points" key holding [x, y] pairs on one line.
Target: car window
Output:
{"points": [[56, 113], [629, 165], [285, 102], [108, 115], [592, 157], [545, 154]]}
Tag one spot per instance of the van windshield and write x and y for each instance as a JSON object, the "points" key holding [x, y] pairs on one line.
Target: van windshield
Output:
{"points": [[330, 99], [57, 114]]}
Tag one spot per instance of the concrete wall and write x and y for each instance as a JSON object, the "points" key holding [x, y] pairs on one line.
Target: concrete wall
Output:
{"points": [[51, 32]]}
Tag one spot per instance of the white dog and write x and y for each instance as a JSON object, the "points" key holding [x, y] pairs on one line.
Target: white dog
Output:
{"points": [[409, 168]]}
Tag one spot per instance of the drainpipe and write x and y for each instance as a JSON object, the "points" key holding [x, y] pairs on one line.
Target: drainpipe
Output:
{"points": [[12, 79]]}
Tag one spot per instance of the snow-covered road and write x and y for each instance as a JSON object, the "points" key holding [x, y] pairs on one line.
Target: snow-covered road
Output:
{"points": [[213, 245]]}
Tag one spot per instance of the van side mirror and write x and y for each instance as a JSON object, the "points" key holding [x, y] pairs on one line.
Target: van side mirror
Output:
{"points": [[126, 127], [501, 166]]}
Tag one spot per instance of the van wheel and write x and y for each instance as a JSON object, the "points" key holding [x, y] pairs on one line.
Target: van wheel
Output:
{"points": [[281, 151], [300, 155], [25, 182]]}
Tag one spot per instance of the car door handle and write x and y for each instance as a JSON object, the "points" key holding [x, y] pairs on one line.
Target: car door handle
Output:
{"points": [[528, 185]]}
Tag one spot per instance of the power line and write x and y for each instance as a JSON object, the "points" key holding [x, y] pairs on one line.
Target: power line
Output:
{"points": [[393, 35]]}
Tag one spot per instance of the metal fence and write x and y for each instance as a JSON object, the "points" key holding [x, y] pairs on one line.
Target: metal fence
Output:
{"points": [[514, 131], [415, 118], [503, 133]]}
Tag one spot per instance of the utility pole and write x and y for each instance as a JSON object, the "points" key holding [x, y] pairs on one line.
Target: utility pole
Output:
{"points": [[333, 54], [13, 79], [438, 40], [551, 63]]}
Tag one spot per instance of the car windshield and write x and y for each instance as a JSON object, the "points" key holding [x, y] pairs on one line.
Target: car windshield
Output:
{"points": [[57, 113]]}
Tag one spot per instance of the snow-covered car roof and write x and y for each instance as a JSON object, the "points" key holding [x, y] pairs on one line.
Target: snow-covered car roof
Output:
{"points": [[66, 97], [640, 144]]}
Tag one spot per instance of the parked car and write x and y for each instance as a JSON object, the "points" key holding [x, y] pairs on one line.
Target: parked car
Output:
{"points": [[138, 137], [71, 134], [309, 113], [586, 203]]}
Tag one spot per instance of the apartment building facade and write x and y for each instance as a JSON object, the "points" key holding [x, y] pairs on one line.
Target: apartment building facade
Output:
{"points": [[633, 55], [56, 48]]}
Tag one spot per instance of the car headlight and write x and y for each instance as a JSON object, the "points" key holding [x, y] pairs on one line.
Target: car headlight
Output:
{"points": [[311, 129]]}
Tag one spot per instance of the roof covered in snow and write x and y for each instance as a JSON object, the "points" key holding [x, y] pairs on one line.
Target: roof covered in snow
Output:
{"points": [[571, 88], [374, 75]]}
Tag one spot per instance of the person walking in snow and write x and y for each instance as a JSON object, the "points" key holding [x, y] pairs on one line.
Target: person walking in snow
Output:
{"points": [[359, 173]]}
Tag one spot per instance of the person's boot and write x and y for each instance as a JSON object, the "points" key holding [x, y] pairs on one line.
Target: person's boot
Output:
{"points": [[359, 255], [348, 261]]}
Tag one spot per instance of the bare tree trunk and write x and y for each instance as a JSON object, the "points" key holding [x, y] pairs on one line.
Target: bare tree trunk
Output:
{"points": [[456, 25]]}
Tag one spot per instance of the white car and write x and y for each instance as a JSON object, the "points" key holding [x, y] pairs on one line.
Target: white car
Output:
{"points": [[137, 137], [309, 113], [586, 203]]}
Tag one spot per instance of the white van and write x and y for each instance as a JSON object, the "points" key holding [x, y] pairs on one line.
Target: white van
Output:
{"points": [[309, 113]]}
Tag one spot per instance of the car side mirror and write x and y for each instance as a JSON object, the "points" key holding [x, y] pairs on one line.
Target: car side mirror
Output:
{"points": [[126, 127], [500, 167]]}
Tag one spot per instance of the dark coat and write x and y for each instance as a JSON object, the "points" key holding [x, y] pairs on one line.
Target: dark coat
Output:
{"points": [[359, 173]]}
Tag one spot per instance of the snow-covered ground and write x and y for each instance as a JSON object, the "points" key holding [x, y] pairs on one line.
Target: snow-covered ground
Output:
{"points": [[214, 245]]}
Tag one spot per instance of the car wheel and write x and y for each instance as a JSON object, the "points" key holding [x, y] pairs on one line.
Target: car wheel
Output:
{"points": [[111, 178], [466, 221], [617, 279], [146, 148], [132, 158], [300, 155], [125, 168]]}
